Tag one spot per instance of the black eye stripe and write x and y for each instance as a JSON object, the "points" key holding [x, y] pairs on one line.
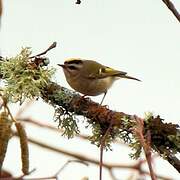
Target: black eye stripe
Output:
{"points": [[72, 67], [74, 62]]}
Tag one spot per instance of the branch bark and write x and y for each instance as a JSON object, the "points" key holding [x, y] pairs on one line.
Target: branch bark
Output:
{"points": [[172, 8], [1, 8], [57, 95]]}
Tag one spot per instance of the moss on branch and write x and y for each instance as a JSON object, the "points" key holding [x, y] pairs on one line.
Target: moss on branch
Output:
{"points": [[30, 77], [165, 137]]}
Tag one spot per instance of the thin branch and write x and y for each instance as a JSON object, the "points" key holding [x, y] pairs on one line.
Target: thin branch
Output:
{"points": [[113, 177], [108, 166], [172, 8], [18, 178], [48, 126], [29, 173], [68, 162], [1, 9], [55, 176], [24, 107], [145, 143], [53, 45], [102, 145], [8, 110]]}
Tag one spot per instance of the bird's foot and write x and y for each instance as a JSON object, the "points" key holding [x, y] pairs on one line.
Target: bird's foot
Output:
{"points": [[81, 100]]}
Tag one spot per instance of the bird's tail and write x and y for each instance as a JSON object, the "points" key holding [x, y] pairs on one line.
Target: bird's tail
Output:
{"points": [[129, 77]]}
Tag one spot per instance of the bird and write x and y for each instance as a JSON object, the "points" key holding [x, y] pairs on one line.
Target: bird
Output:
{"points": [[91, 78]]}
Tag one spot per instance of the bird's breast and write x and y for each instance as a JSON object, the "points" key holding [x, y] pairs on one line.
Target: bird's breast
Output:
{"points": [[91, 87]]}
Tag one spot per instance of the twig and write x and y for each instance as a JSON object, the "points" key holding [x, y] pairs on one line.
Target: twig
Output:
{"points": [[40, 124], [138, 131], [172, 8], [30, 172], [7, 108], [68, 162], [1, 8], [20, 177], [9, 112], [112, 174], [53, 128], [23, 108], [53, 45], [102, 144], [108, 166], [148, 153], [55, 176]]}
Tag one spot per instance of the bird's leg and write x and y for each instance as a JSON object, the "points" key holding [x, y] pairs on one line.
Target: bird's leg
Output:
{"points": [[80, 100], [103, 97], [84, 97]]}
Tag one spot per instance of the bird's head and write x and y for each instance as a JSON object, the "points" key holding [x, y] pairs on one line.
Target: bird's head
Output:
{"points": [[72, 67]]}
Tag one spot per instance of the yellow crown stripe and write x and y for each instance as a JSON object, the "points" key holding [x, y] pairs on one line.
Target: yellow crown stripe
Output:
{"points": [[72, 59]]}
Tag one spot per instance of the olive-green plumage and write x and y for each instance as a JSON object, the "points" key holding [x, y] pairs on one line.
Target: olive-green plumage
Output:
{"points": [[90, 77]]}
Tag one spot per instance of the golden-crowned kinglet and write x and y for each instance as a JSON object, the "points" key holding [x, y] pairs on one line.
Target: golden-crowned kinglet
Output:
{"points": [[90, 77]]}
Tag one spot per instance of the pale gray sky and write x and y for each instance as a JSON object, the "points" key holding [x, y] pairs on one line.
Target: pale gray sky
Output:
{"points": [[140, 37]]}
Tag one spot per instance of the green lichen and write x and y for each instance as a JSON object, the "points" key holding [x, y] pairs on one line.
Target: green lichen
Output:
{"points": [[66, 121], [175, 139], [134, 142], [64, 96], [99, 130], [21, 79], [148, 116], [136, 148], [96, 134]]}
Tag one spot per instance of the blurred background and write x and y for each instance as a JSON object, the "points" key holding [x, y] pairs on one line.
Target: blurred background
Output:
{"points": [[141, 38]]}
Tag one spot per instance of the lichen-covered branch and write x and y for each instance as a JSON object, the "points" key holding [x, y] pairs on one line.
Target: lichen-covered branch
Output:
{"points": [[165, 137], [29, 77], [145, 141]]}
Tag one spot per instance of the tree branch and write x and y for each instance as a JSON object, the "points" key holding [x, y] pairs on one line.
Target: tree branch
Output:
{"points": [[172, 8], [145, 143], [73, 102], [1, 8], [108, 166]]}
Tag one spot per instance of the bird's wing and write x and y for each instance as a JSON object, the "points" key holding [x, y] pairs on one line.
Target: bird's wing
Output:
{"points": [[106, 72]]}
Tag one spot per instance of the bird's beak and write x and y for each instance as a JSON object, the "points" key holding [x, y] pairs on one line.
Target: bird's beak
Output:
{"points": [[62, 65]]}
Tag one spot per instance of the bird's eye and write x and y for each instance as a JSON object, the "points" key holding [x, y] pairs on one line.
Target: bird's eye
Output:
{"points": [[72, 67], [102, 70]]}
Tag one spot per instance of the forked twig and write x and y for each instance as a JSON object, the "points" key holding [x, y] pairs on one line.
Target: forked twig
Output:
{"points": [[53, 45]]}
